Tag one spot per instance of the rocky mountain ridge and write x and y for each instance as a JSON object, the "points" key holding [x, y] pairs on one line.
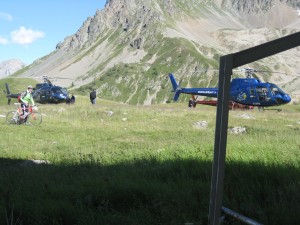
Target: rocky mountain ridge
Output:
{"points": [[9, 67], [126, 49]]}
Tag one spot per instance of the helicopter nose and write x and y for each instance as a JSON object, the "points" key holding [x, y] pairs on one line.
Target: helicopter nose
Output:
{"points": [[287, 98], [283, 99]]}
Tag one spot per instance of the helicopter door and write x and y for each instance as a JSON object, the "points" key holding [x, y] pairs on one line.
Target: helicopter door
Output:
{"points": [[262, 94], [36, 96], [44, 96], [50, 96], [252, 92]]}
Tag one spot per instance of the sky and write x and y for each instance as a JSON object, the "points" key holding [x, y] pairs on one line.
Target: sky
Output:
{"points": [[31, 29]]}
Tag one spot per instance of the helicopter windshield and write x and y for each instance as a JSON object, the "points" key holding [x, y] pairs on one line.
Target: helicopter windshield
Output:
{"points": [[275, 90], [64, 91], [60, 91]]}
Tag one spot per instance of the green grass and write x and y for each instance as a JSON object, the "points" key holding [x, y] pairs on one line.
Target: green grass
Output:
{"points": [[146, 165]]}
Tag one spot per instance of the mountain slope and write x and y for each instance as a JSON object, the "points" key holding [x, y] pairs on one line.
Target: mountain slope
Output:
{"points": [[126, 49], [10, 66]]}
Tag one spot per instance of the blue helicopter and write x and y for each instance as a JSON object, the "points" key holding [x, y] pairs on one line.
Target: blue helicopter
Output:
{"points": [[246, 91], [43, 93]]}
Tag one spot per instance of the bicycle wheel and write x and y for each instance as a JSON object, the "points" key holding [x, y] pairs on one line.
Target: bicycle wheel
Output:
{"points": [[12, 117], [34, 119]]}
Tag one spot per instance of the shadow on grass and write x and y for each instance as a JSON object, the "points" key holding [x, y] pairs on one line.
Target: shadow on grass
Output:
{"points": [[145, 192]]}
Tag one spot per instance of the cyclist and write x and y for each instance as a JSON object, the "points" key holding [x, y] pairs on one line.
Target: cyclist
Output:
{"points": [[25, 98]]}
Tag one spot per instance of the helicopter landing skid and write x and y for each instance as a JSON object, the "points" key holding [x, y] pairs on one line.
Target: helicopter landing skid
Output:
{"points": [[263, 109]]}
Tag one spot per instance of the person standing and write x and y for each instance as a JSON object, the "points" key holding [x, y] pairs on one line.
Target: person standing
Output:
{"points": [[93, 96], [72, 100]]}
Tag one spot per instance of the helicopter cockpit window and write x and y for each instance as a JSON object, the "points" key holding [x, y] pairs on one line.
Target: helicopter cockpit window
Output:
{"points": [[56, 91], [261, 90], [64, 91], [262, 93], [275, 90], [60, 91]]}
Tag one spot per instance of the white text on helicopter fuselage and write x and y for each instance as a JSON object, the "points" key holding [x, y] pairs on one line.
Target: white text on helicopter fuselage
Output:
{"points": [[206, 92]]}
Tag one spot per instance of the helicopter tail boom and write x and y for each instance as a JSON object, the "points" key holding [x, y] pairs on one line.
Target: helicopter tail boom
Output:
{"points": [[209, 92]]}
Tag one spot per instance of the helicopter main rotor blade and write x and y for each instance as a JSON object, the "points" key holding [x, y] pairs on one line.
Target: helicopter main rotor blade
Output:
{"points": [[62, 78]]}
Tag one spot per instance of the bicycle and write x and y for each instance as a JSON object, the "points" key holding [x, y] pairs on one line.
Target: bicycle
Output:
{"points": [[33, 118]]}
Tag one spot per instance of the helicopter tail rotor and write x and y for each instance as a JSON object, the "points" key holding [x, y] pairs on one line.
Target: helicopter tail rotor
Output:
{"points": [[7, 89], [9, 95], [7, 92]]}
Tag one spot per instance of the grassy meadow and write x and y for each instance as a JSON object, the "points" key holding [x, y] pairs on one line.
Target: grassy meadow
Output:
{"points": [[118, 164]]}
